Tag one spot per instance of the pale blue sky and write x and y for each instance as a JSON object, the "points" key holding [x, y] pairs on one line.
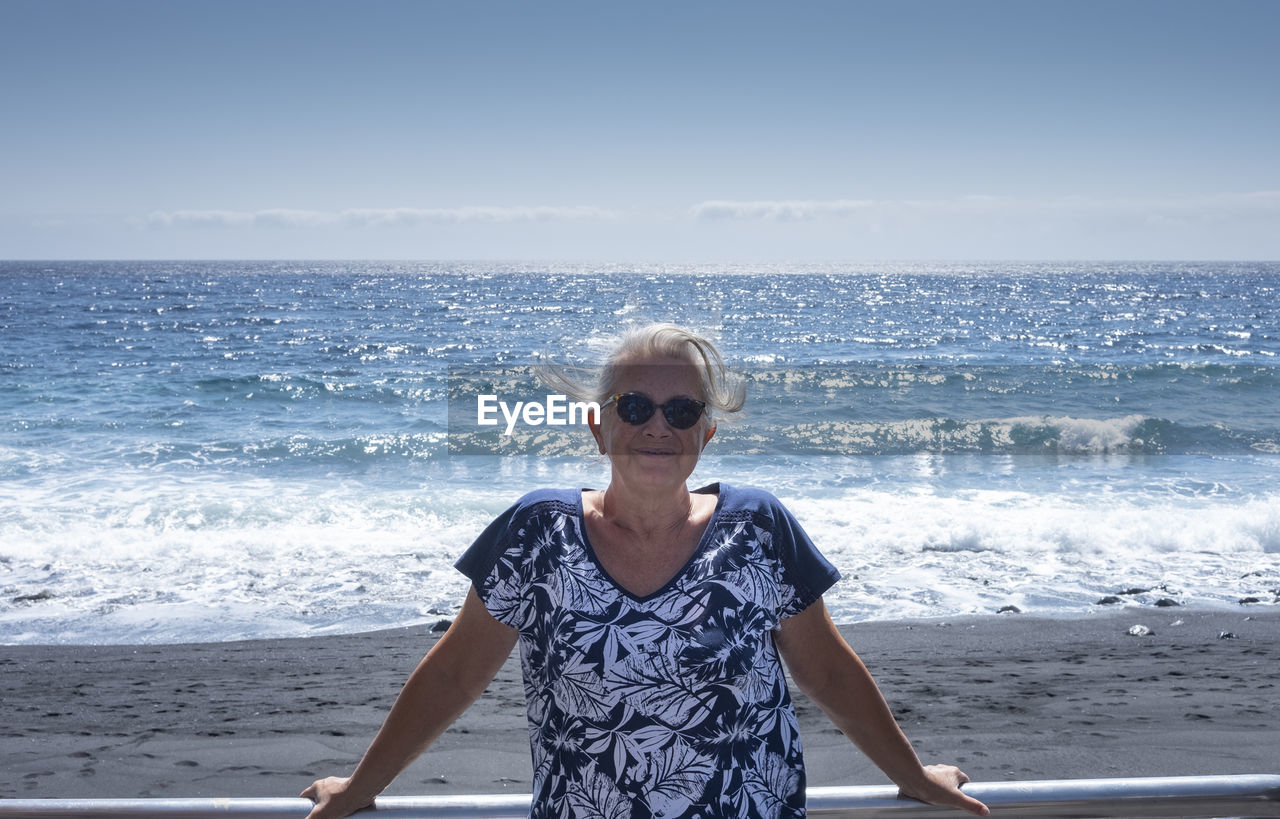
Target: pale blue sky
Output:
{"points": [[678, 131]]}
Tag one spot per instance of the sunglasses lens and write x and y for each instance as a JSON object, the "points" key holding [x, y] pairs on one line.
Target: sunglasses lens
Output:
{"points": [[682, 413], [634, 409]]}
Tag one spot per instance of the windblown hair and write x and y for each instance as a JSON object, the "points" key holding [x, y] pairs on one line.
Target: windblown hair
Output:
{"points": [[723, 392]]}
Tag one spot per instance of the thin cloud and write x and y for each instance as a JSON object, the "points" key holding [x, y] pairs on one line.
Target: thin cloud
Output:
{"points": [[1206, 209], [400, 217], [779, 211], [374, 217]]}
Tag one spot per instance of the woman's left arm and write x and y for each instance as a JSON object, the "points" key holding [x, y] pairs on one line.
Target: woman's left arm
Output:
{"points": [[829, 672]]}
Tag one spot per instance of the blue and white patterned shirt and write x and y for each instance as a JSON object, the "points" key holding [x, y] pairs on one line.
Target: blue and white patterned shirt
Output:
{"points": [[669, 705]]}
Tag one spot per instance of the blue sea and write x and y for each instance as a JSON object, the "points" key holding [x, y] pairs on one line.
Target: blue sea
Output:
{"points": [[224, 450]]}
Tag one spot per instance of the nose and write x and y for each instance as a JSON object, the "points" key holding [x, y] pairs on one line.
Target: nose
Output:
{"points": [[657, 425]]}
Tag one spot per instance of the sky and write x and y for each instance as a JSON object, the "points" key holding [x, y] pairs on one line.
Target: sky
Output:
{"points": [[640, 131]]}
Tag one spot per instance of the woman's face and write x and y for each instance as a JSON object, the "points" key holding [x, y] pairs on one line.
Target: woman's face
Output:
{"points": [[654, 454]]}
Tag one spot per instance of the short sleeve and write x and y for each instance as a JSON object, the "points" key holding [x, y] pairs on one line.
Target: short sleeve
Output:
{"points": [[494, 564], [484, 552], [498, 562], [804, 573]]}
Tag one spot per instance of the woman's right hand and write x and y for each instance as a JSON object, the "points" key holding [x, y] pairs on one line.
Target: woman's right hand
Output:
{"points": [[455, 671], [332, 799], [941, 786]]}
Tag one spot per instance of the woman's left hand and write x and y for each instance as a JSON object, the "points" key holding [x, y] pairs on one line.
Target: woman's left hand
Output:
{"points": [[832, 675], [942, 787]]}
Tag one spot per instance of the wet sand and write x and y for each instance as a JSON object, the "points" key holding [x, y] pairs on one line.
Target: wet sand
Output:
{"points": [[1005, 697]]}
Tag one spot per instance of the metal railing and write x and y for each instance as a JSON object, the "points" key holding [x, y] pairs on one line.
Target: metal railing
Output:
{"points": [[1175, 797]]}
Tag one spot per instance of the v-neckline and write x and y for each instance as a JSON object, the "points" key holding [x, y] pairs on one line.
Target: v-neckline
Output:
{"points": [[697, 550]]}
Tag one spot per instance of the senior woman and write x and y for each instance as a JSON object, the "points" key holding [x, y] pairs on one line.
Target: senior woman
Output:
{"points": [[651, 619]]}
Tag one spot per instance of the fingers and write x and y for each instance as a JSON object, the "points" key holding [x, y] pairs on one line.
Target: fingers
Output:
{"points": [[317, 793], [948, 779], [972, 805], [316, 790], [957, 778], [332, 800]]}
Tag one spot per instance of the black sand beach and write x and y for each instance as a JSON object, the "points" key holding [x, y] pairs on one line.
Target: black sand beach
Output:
{"points": [[1007, 697]]}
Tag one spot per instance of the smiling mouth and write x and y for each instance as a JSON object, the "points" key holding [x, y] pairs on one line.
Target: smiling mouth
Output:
{"points": [[654, 452]]}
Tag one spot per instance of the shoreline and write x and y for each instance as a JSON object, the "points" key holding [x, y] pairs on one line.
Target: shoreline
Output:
{"points": [[1005, 697]]}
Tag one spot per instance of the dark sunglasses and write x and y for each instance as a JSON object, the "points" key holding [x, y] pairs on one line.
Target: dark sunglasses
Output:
{"points": [[636, 408]]}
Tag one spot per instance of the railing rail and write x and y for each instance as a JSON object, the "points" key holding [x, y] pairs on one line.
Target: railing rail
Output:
{"points": [[1175, 797]]}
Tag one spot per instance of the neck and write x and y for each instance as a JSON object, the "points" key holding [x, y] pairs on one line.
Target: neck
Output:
{"points": [[646, 510]]}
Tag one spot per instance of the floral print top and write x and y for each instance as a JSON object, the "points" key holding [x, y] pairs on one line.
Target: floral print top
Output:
{"points": [[673, 704]]}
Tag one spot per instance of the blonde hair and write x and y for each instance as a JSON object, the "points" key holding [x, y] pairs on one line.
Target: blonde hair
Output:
{"points": [[723, 392]]}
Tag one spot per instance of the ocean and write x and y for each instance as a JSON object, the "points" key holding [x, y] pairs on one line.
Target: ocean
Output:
{"points": [[211, 451]]}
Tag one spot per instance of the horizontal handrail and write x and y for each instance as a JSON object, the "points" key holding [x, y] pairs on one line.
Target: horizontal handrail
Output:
{"points": [[1184, 797]]}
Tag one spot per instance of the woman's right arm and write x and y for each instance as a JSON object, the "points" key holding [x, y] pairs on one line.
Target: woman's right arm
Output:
{"points": [[453, 674]]}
